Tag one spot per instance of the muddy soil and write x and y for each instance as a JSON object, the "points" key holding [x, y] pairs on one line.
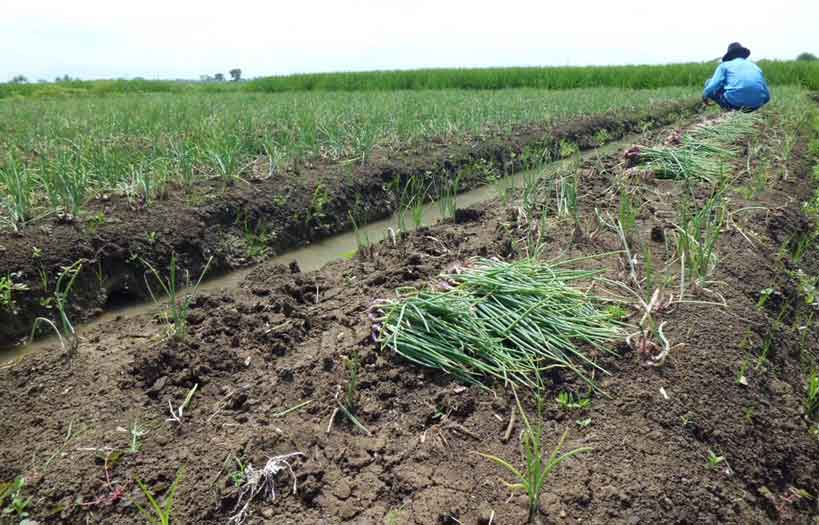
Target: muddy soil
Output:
{"points": [[242, 223], [279, 342]]}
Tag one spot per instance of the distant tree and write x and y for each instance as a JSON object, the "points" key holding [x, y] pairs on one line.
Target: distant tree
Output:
{"points": [[219, 77], [205, 78], [19, 79], [64, 78], [236, 74], [806, 56]]}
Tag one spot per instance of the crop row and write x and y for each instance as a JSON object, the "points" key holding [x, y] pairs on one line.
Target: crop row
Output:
{"points": [[58, 153]]}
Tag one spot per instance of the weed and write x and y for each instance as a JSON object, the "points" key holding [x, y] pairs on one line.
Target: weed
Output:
{"points": [[7, 289], [764, 295], [812, 395], [584, 423], [257, 240], [742, 375], [568, 401], [567, 149], [18, 505], [537, 468], [238, 476], [749, 415], [160, 511], [713, 460], [178, 305], [318, 204]]}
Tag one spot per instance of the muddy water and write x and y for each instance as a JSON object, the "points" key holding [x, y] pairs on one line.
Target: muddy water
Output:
{"points": [[316, 255]]}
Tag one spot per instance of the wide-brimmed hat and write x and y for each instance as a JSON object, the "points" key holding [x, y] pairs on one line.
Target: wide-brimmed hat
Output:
{"points": [[735, 50]]}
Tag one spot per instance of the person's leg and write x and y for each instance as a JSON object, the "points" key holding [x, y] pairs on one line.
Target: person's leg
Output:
{"points": [[722, 101]]}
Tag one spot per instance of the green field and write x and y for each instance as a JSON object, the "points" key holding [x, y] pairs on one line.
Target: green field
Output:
{"points": [[59, 152], [791, 72]]}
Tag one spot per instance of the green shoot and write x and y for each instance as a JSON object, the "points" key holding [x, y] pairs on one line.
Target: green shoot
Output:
{"points": [[136, 432], [178, 305], [812, 396], [713, 460], [18, 505], [178, 414], [537, 467], [160, 511], [568, 401], [349, 404]]}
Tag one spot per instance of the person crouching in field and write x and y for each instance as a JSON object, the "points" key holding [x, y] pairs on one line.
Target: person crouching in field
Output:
{"points": [[738, 83]]}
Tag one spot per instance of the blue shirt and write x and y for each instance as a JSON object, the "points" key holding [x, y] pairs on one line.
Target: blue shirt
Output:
{"points": [[743, 83]]}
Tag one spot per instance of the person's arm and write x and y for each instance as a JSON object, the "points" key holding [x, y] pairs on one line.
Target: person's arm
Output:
{"points": [[715, 83]]}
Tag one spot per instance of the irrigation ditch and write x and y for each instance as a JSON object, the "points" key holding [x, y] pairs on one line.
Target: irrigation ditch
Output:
{"points": [[227, 228], [709, 422]]}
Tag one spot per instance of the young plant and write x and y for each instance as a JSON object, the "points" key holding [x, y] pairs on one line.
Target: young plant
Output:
{"points": [[238, 476], [362, 240], [447, 194], [566, 196], [18, 188], [812, 396], [568, 401], [178, 304], [17, 505], [713, 460], [160, 511], [135, 433], [349, 404], [537, 467], [7, 289], [178, 414], [65, 332], [698, 233], [628, 215]]}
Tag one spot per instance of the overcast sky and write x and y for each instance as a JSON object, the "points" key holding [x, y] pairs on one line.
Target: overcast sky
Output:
{"points": [[187, 38]]}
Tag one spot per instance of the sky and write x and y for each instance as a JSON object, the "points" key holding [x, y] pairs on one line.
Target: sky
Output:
{"points": [[187, 38]]}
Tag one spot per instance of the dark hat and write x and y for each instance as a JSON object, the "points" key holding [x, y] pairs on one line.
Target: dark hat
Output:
{"points": [[735, 50]]}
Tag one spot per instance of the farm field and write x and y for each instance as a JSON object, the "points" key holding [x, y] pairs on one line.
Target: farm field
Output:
{"points": [[120, 181], [648, 310]]}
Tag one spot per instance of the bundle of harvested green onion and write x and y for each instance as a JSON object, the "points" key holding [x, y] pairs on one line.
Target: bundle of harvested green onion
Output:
{"points": [[703, 151], [510, 321]]}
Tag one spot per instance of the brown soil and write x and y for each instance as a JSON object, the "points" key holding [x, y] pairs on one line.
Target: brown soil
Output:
{"points": [[279, 340], [304, 203]]}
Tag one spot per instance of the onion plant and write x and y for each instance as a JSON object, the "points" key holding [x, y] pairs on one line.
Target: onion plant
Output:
{"points": [[507, 321], [16, 186], [537, 467], [697, 234], [178, 303]]}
